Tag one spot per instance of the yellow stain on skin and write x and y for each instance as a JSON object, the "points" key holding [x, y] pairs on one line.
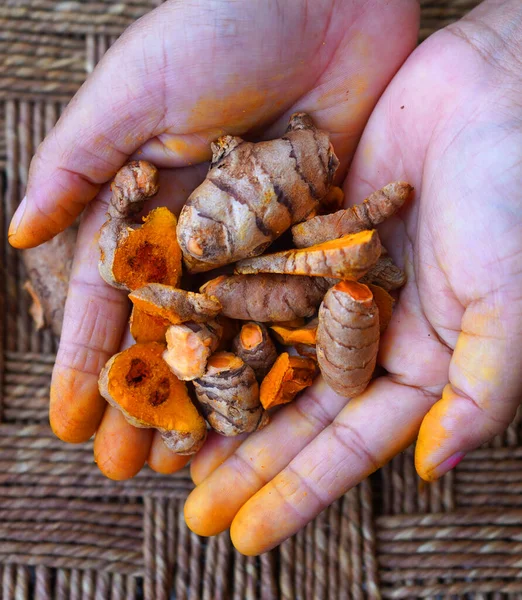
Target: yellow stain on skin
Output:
{"points": [[433, 436]]}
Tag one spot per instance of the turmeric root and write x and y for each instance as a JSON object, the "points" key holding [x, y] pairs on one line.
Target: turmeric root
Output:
{"points": [[267, 297], [174, 305], [255, 347], [384, 303], [386, 274], [289, 336], [374, 210], [138, 382], [333, 201], [349, 257], [308, 351], [230, 328], [189, 345], [229, 395], [134, 255], [49, 267], [348, 337], [145, 328], [288, 376], [253, 193]]}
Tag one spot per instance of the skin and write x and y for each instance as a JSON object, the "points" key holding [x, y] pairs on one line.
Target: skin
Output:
{"points": [[449, 123]]}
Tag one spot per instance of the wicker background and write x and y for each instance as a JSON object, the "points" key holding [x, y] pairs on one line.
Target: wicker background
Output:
{"points": [[67, 532]]}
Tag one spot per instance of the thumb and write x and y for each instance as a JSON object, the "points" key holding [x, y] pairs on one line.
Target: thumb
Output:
{"points": [[484, 390]]}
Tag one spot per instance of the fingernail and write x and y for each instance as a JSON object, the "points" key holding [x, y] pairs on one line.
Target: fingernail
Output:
{"points": [[17, 218], [447, 465]]}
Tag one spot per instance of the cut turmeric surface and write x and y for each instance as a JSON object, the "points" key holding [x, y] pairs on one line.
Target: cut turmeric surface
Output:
{"points": [[189, 345], [289, 336], [132, 255], [386, 274], [349, 257], [379, 206], [253, 193], [267, 297], [348, 337], [145, 328], [174, 305], [229, 395], [384, 303], [255, 347], [288, 376], [138, 382]]}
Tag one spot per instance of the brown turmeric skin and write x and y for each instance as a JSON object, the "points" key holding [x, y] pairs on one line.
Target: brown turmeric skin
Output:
{"points": [[49, 267], [255, 347], [139, 383], [267, 297], [174, 305], [229, 395], [133, 255], [189, 346], [146, 328], [386, 274], [348, 338], [253, 193], [379, 206], [349, 257], [288, 376]]}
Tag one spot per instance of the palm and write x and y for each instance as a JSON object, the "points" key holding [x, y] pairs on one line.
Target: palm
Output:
{"points": [[438, 126]]}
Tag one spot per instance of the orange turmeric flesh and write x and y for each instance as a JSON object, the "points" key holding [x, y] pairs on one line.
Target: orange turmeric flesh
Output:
{"points": [[296, 335], [384, 303], [150, 253], [140, 384], [288, 376], [145, 328], [349, 257]]}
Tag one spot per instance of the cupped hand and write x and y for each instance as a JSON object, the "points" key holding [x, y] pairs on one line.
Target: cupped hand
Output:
{"points": [[180, 77], [450, 124]]}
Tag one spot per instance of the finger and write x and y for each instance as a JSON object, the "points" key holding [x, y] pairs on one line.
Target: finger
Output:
{"points": [[366, 434], [120, 449], [211, 507], [96, 317], [163, 460], [484, 388], [214, 453]]}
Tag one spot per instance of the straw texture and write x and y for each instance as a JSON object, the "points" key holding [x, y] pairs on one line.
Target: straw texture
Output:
{"points": [[66, 532]]}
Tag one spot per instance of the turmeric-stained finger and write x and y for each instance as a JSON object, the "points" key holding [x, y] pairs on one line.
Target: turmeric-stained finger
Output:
{"points": [[163, 460], [216, 450], [211, 507], [341, 456], [120, 449]]}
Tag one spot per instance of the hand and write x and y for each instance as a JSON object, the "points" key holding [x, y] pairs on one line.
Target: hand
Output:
{"points": [[450, 124], [177, 79]]}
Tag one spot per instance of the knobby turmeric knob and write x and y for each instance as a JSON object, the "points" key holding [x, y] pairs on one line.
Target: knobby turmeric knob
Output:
{"points": [[138, 382], [255, 347], [348, 337]]}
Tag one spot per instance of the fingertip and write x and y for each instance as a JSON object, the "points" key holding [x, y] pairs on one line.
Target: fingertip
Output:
{"points": [[161, 459], [76, 407], [120, 449]]}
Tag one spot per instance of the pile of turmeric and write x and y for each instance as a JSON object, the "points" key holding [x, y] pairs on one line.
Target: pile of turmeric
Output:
{"points": [[252, 339]]}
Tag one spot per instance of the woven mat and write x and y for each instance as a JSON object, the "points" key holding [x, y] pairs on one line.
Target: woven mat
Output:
{"points": [[67, 532]]}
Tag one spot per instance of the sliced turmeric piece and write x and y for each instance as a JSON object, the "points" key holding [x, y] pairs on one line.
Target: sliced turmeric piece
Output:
{"points": [[348, 337], [173, 304], [146, 328], [229, 395], [267, 297], [349, 257], [255, 347], [379, 206], [189, 345], [386, 274], [138, 382], [297, 322], [133, 255], [384, 303], [253, 193], [289, 336], [288, 376]]}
